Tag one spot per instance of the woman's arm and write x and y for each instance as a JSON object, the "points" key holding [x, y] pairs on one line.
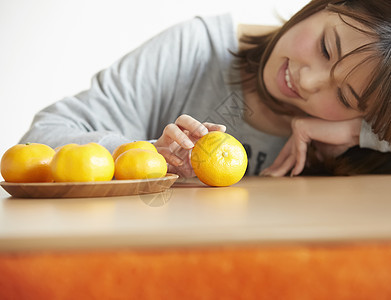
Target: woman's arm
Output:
{"points": [[329, 138]]}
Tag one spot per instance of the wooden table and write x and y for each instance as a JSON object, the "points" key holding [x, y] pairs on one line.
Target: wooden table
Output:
{"points": [[263, 238]]}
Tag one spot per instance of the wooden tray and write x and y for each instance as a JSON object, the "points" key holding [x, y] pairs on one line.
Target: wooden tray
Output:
{"points": [[89, 189]]}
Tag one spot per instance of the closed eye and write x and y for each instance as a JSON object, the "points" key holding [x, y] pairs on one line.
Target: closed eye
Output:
{"points": [[352, 103], [342, 99], [323, 48]]}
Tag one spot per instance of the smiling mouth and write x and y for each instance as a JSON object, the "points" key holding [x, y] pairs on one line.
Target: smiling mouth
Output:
{"points": [[288, 79], [285, 82]]}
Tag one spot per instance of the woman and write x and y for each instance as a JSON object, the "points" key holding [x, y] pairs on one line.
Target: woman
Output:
{"points": [[348, 83], [313, 79]]}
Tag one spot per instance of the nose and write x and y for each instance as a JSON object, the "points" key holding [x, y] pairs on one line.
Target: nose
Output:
{"points": [[312, 80]]}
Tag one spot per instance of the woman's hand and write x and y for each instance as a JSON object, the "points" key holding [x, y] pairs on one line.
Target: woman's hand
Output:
{"points": [[329, 138], [178, 139]]}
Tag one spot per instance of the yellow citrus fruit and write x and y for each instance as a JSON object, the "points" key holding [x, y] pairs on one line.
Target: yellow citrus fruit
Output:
{"points": [[133, 145], [218, 159], [27, 163], [89, 162], [140, 164]]}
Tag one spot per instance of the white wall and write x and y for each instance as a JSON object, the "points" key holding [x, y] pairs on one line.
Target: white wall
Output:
{"points": [[50, 48]]}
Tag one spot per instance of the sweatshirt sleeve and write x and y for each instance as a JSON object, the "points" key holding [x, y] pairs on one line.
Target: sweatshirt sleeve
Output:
{"points": [[128, 101], [368, 139]]}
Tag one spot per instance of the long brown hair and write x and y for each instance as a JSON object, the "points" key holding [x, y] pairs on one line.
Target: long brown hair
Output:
{"points": [[374, 15]]}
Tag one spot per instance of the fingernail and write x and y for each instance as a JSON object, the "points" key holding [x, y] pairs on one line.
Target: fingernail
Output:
{"points": [[203, 131], [264, 173], [188, 144]]}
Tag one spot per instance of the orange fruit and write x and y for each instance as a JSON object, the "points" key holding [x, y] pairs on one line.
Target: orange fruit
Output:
{"points": [[218, 159], [27, 163], [89, 162], [133, 145], [140, 164]]}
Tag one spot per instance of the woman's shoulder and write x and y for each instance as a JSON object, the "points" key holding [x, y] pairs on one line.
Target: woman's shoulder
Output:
{"points": [[203, 31]]}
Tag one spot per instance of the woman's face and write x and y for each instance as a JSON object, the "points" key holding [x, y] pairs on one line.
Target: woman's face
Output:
{"points": [[298, 69]]}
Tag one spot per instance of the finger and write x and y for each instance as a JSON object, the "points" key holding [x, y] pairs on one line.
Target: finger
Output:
{"points": [[170, 157], [284, 153], [285, 167], [196, 128], [280, 159], [174, 133], [301, 156], [179, 151], [215, 127], [174, 147]]}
